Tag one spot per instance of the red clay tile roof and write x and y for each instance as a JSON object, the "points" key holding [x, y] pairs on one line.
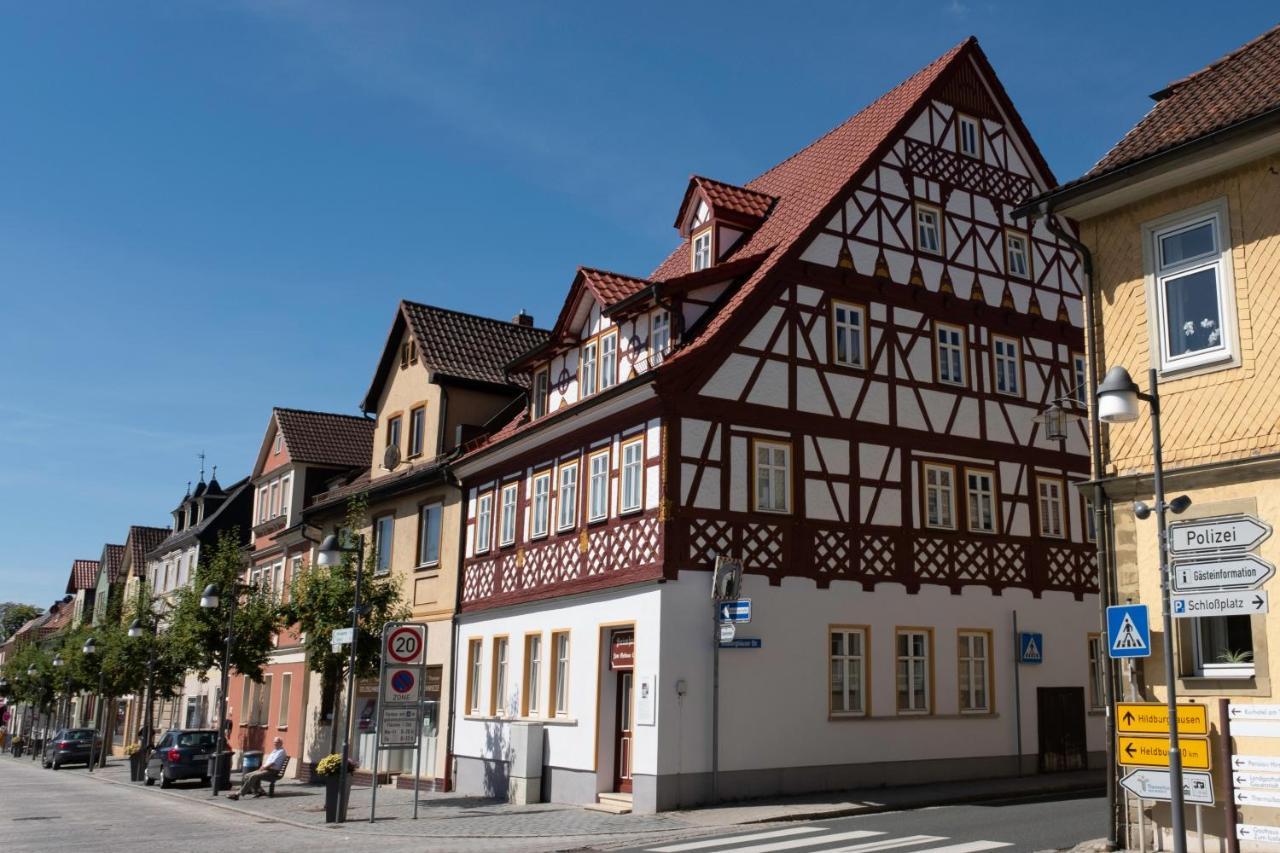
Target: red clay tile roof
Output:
{"points": [[611, 287], [724, 197], [1241, 85], [142, 541], [84, 575], [57, 621], [324, 438], [465, 346], [113, 556]]}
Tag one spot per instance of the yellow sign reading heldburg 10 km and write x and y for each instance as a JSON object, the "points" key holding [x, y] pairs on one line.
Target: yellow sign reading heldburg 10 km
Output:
{"points": [[1154, 751], [1153, 718]]}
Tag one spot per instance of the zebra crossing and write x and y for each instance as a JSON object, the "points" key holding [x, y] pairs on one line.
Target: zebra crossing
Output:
{"points": [[819, 839]]}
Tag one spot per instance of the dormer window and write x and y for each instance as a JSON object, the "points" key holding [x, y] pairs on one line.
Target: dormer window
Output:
{"points": [[701, 250], [541, 391], [659, 336], [608, 360], [588, 375]]}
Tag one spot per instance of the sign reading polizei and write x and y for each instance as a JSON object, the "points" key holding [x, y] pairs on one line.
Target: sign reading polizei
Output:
{"points": [[1194, 605], [1244, 571], [1220, 533]]}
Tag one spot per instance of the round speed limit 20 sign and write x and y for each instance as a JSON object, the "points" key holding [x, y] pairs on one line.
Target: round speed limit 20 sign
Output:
{"points": [[406, 643]]}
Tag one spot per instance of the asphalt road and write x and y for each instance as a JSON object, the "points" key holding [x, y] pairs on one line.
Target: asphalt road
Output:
{"points": [[1008, 826]]}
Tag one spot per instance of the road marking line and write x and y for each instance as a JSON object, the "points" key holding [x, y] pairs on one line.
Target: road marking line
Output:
{"points": [[717, 842], [890, 843], [792, 844], [969, 847]]}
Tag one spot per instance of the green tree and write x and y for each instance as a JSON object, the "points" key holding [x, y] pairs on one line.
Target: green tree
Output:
{"points": [[14, 615], [37, 689], [197, 636], [320, 600]]}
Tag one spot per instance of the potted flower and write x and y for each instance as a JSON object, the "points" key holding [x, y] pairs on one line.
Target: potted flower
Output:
{"points": [[329, 769], [137, 761]]}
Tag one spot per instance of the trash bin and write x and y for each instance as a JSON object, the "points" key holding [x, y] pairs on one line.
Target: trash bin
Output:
{"points": [[222, 782], [250, 760]]}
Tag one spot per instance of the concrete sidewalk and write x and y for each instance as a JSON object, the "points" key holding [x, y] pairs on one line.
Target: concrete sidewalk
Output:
{"points": [[443, 816]]}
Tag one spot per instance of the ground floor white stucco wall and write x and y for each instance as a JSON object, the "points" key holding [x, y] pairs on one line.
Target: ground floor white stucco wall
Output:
{"points": [[777, 732]]}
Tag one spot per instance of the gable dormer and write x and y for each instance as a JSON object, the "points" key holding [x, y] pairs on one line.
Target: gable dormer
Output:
{"points": [[715, 217]]}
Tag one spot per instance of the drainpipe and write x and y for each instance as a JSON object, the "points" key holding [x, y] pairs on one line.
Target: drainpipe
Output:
{"points": [[1106, 577]]}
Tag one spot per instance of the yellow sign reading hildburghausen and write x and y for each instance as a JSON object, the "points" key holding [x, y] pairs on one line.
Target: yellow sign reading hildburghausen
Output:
{"points": [[1153, 718], [1154, 751]]}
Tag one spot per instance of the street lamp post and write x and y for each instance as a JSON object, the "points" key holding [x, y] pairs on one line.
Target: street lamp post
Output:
{"points": [[65, 713], [1118, 397], [209, 600], [330, 554], [90, 650], [137, 630]]}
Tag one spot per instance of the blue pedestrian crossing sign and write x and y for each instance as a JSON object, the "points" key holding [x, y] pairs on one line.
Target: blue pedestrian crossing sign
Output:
{"points": [[1030, 647], [1128, 631]]}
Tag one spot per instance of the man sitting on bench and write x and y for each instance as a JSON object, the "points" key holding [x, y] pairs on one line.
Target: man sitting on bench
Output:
{"points": [[272, 767]]}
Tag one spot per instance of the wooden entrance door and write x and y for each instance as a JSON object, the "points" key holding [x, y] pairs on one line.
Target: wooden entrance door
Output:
{"points": [[1060, 714], [622, 747]]}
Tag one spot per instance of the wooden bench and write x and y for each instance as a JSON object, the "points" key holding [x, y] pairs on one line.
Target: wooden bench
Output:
{"points": [[271, 786]]}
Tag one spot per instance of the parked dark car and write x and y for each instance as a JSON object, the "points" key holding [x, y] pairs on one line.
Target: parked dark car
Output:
{"points": [[69, 746], [181, 754]]}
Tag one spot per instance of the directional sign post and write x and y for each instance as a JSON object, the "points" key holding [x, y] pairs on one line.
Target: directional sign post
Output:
{"points": [[1239, 572], [1197, 788], [1245, 779], [1264, 763], [738, 610], [1128, 631], [1221, 533], [1268, 799], [1148, 751], [1194, 605], [1248, 832], [1153, 718]]}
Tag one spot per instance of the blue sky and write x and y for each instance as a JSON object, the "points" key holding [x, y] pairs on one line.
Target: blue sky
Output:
{"points": [[211, 208]]}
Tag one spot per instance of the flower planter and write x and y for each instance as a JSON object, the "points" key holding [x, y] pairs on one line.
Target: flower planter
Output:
{"points": [[332, 799], [137, 766]]}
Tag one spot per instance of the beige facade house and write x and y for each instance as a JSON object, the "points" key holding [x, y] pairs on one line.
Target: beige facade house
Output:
{"points": [[440, 382], [1181, 222]]}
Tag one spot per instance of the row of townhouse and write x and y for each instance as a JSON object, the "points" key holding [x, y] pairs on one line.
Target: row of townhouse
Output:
{"points": [[836, 378]]}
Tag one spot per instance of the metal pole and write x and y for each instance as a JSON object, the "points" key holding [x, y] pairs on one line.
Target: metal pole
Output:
{"points": [[1017, 693], [715, 702], [1142, 827], [1229, 796], [222, 695], [147, 726], [351, 680], [1200, 826], [417, 754], [1177, 826], [97, 721], [377, 757]]}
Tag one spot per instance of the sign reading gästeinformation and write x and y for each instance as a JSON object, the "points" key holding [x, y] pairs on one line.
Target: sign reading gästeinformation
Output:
{"points": [[1243, 571]]}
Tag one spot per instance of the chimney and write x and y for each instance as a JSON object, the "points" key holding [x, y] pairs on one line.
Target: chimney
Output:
{"points": [[523, 319]]}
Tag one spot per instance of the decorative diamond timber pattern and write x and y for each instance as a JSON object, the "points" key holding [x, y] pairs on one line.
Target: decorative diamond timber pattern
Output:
{"points": [[762, 546], [833, 551], [931, 162], [1071, 568], [709, 538], [477, 581]]}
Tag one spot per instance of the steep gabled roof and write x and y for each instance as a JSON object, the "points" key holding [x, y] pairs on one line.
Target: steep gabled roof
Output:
{"points": [[140, 542], [112, 561], [1241, 85], [84, 575], [213, 520], [725, 199], [325, 438], [457, 346]]}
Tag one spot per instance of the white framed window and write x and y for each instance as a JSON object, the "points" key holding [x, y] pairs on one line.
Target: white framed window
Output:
{"points": [[277, 580], [1189, 271], [1007, 356], [507, 529], [429, 517], [975, 671], [567, 500], [1050, 505], [949, 352], [847, 654], [701, 249], [848, 330], [981, 491], [393, 431], [1080, 379], [928, 229], [1017, 256], [632, 475], [474, 665], [498, 695], [278, 444], [264, 503], [417, 430], [939, 496], [484, 522], [968, 136], [275, 498], [560, 674], [540, 514], [383, 538], [1097, 674], [772, 470], [286, 694], [541, 392], [912, 674], [532, 675], [1223, 646], [659, 336], [286, 490], [589, 374], [598, 486], [608, 360]]}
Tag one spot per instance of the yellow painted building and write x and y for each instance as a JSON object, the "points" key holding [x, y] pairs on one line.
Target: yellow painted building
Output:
{"points": [[1181, 221]]}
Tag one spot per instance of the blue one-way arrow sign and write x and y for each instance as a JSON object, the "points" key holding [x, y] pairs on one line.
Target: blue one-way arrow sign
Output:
{"points": [[738, 610]]}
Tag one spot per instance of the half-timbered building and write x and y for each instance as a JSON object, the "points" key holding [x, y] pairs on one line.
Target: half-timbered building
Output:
{"points": [[835, 378]]}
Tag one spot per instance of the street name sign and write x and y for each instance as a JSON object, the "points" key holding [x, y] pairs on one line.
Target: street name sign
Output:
{"points": [[1248, 711], [399, 727], [1128, 631], [1220, 533], [1239, 571], [402, 685], [1148, 751], [1244, 779], [1153, 718], [1265, 763], [405, 644], [1197, 788], [1194, 605], [1249, 832], [1267, 799], [340, 636], [742, 643], [738, 610]]}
